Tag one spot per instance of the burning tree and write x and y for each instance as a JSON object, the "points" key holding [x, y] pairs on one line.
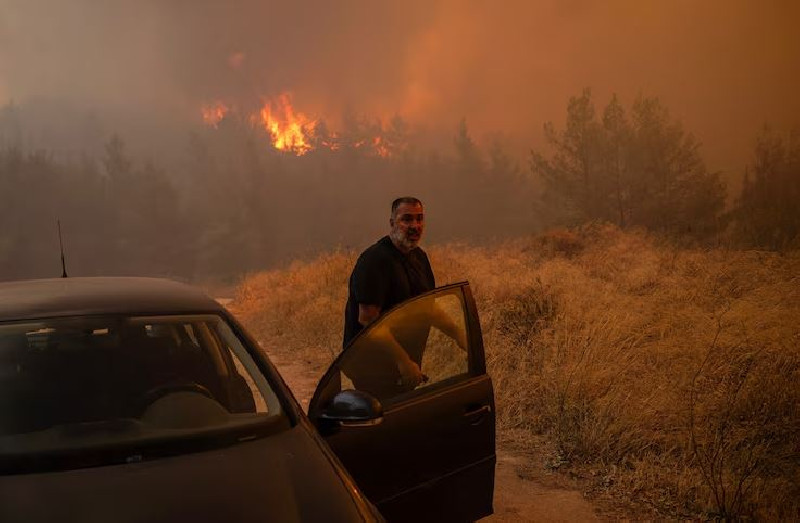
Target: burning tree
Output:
{"points": [[292, 131]]}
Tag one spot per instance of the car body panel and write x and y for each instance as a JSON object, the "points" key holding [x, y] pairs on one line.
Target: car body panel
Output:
{"points": [[47, 298], [289, 474], [432, 456], [286, 476]]}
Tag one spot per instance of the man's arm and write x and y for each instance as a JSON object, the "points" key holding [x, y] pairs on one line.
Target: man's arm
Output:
{"points": [[442, 321], [408, 369]]}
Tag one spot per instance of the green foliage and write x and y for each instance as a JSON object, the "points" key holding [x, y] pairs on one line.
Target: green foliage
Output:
{"points": [[767, 212], [637, 170], [123, 219], [233, 205], [230, 204]]}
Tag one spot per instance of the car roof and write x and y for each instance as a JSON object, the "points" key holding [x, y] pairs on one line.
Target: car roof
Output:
{"points": [[30, 299]]}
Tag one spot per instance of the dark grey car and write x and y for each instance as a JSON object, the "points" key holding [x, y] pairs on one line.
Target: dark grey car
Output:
{"points": [[138, 399]]}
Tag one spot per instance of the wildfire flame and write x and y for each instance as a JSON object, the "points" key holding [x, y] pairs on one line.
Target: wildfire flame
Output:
{"points": [[289, 130], [380, 147], [214, 113], [294, 132]]}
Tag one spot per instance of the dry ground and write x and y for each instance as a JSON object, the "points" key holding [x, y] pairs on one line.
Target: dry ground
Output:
{"points": [[521, 494], [661, 379]]}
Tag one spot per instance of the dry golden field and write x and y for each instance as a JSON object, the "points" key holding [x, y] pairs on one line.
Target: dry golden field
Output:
{"points": [[668, 379]]}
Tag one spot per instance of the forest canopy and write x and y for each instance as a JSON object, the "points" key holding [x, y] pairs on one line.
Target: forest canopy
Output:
{"points": [[231, 204]]}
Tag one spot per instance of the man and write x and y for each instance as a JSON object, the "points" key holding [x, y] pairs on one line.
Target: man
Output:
{"points": [[389, 272]]}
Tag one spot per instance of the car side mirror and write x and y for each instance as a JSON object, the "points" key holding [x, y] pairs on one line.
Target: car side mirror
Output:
{"points": [[352, 408]]}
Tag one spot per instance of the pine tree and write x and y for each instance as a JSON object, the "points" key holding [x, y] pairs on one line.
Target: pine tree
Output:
{"points": [[643, 171], [767, 212]]}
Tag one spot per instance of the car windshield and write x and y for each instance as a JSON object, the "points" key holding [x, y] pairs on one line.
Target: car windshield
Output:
{"points": [[98, 383]]}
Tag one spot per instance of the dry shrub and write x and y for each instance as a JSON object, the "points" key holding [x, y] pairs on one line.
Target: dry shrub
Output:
{"points": [[299, 311], [443, 358], [526, 314], [744, 409], [557, 242], [668, 375], [743, 424]]}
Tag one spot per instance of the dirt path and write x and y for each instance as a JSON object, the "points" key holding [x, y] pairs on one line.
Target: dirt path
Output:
{"points": [[301, 380], [522, 492]]}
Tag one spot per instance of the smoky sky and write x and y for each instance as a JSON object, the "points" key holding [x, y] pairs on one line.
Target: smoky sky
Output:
{"points": [[723, 67]]}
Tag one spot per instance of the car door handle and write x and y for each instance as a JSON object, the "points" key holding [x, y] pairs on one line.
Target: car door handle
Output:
{"points": [[476, 415]]}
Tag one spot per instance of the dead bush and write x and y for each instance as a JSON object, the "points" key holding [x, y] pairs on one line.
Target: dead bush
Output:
{"points": [[522, 316], [668, 375], [744, 417], [557, 242]]}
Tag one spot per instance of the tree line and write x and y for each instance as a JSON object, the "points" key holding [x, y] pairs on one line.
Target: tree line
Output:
{"points": [[640, 168], [232, 204]]}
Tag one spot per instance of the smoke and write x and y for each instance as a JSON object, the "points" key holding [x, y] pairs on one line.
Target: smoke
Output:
{"points": [[723, 67]]}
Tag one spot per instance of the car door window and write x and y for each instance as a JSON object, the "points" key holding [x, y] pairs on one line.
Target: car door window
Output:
{"points": [[445, 354], [418, 450], [430, 330]]}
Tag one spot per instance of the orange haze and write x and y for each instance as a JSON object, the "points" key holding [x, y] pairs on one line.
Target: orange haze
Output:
{"points": [[724, 67]]}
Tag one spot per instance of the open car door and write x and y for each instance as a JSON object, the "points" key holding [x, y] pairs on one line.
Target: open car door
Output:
{"points": [[424, 453]]}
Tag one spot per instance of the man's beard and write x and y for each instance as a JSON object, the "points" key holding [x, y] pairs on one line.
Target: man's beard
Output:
{"points": [[406, 241]]}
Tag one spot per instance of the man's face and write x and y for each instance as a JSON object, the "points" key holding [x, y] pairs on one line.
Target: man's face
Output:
{"points": [[407, 224]]}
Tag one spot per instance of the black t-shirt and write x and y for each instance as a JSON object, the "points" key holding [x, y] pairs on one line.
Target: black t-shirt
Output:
{"points": [[384, 276]]}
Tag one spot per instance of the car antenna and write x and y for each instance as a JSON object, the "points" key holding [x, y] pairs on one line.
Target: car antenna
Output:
{"points": [[61, 244]]}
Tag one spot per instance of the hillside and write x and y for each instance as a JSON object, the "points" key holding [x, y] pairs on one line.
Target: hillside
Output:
{"points": [[666, 379]]}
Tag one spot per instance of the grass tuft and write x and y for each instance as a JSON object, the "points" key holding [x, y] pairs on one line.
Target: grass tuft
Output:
{"points": [[669, 377]]}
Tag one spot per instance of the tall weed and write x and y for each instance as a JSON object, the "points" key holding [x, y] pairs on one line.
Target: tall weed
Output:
{"points": [[672, 374]]}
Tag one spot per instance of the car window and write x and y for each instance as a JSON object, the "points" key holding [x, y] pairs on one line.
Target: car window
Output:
{"points": [[84, 382], [430, 330]]}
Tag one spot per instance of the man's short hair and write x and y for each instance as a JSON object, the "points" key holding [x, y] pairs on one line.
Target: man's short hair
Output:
{"points": [[404, 199]]}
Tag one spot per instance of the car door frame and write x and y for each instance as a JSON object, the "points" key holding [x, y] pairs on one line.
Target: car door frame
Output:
{"points": [[459, 411]]}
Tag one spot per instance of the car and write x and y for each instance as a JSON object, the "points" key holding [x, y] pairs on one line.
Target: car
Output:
{"points": [[143, 399]]}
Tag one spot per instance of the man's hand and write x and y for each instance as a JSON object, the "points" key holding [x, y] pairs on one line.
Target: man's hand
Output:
{"points": [[368, 313], [410, 374]]}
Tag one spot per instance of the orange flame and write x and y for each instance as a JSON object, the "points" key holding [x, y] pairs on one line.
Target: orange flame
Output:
{"points": [[214, 113], [380, 147], [293, 132], [289, 130]]}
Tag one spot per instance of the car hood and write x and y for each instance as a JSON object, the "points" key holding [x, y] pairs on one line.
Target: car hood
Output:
{"points": [[281, 477]]}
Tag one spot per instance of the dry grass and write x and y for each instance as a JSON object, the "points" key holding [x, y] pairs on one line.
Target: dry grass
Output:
{"points": [[666, 376], [298, 311]]}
